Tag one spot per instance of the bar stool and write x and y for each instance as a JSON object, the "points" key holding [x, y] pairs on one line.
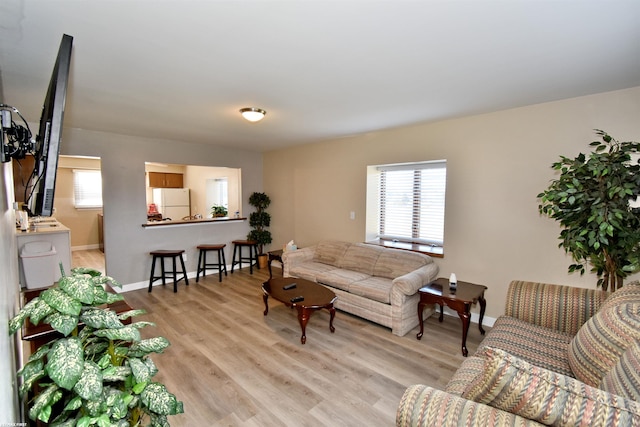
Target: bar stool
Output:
{"points": [[253, 254], [221, 265], [162, 254]]}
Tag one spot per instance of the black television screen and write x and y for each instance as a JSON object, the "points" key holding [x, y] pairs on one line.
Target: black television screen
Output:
{"points": [[42, 184]]}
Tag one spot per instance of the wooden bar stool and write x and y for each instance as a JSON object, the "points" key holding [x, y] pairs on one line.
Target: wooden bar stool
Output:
{"points": [[221, 265], [162, 254], [253, 254]]}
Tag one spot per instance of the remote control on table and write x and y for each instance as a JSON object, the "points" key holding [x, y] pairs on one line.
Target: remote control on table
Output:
{"points": [[289, 286], [297, 299]]}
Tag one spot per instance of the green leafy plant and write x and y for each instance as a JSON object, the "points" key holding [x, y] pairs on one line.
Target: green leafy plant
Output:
{"points": [[591, 200], [218, 211], [260, 220], [99, 372]]}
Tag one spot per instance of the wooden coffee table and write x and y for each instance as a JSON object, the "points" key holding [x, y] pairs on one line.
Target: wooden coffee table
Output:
{"points": [[466, 294], [316, 297]]}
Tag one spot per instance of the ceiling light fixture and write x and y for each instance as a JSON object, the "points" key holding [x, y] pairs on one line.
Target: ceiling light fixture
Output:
{"points": [[253, 114]]}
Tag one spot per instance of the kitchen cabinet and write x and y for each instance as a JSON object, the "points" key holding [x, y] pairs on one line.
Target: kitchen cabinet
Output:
{"points": [[165, 180], [101, 232]]}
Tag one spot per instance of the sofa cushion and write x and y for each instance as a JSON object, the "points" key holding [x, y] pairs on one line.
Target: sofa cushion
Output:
{"points": [[536, 344], [516, 386], [361, 257], [340, 278], [468, 371], [628, 293], [559, 307], [601, 341], [375, 288], [394, 263], [309, 270], [624, 378], [425, 406], [330, 252]]}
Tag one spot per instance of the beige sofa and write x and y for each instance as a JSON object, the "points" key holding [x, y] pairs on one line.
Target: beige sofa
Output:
{"points": [[376, 283], [560, 356]]}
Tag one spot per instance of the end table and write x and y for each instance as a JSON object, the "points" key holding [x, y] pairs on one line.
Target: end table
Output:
{"points": [[275, 256], [460, 300]]}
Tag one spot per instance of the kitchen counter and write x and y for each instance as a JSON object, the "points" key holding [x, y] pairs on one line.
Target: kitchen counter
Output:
{"points": [[155, 224]]}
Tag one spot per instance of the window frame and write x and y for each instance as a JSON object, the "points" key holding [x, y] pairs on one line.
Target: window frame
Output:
{"points": [[376, 199]]}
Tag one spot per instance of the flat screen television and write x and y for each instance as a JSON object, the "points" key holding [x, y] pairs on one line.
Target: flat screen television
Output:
{"points": [[42, 184]]}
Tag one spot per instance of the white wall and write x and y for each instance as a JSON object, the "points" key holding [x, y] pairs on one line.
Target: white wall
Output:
{"points": [[9, 291], [496, 165]]}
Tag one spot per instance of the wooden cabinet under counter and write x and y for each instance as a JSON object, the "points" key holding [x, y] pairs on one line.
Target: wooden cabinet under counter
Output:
{"points": [[101, 231]]}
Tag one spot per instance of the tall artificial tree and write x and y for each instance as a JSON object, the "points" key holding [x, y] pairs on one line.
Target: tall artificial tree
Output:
{"points": [[592, 199], [260, 220]]}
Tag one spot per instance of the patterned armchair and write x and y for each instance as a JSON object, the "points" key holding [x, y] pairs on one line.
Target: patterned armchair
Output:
{"points": [[560, 355]]}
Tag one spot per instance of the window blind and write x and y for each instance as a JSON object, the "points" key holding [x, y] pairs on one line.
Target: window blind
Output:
{"points": [[412, 201], [87, 189]]}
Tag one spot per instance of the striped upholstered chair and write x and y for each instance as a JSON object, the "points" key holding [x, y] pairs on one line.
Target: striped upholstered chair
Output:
{"points": [[560, 355]]}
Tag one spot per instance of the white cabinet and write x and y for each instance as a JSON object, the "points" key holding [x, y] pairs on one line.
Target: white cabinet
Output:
{"points": [[55, 233]]}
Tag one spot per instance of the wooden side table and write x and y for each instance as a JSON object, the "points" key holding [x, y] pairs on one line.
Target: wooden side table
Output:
{"points": [[460, 300], [275, 256]]}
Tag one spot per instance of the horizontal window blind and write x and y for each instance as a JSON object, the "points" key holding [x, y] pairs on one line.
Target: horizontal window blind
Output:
{"points": [[87, 188], [412, 201]]}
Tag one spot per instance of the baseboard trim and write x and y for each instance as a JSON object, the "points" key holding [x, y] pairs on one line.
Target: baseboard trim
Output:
{"points": [[85, 247], [475, 317]]}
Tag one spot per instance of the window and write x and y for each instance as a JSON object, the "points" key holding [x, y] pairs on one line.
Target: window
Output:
{"points": [[87, 189], [409, 204]]}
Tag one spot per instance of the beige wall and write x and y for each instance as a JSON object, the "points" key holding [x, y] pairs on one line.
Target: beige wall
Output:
{"points": [[83, 223], [496, 165], [196, 179]]}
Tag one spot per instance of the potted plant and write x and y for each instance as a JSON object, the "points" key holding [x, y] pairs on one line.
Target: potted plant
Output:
{"points": [[259, 221], [99, 371], [218, 211], [591, 200]]}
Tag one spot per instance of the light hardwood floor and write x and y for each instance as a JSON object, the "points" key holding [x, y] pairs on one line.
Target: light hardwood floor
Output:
{"points": [[91, 258], [233, 366]]}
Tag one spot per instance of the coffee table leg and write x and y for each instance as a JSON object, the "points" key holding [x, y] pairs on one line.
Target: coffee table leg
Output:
{"points": [[465, 316], [265, 297], [303, 317], [332, 311]]}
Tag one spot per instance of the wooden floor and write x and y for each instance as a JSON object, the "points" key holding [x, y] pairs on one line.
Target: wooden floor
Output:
{"points": [[92, 258], [233, 366]]}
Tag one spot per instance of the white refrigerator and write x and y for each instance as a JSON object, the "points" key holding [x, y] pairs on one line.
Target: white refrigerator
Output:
{"points": [[172, 202]]}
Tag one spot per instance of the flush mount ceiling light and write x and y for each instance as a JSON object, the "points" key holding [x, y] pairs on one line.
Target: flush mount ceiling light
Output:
{"points": [[253, 114]]}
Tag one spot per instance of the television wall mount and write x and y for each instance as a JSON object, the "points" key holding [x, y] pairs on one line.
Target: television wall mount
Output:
{"points": [[16, 140]]}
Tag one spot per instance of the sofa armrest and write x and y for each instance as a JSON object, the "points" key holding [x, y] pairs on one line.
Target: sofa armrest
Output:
{"points": [[558, 307], [409, 283], [422, 405], [291, 258]]}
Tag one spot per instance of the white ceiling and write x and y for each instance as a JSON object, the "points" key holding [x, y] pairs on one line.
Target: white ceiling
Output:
{"points": [[181, 69]]}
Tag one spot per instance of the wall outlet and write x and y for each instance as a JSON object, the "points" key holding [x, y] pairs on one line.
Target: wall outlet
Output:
{"points": [[352, 215]]}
